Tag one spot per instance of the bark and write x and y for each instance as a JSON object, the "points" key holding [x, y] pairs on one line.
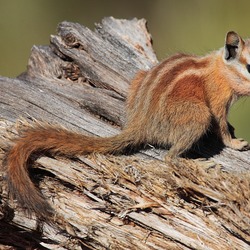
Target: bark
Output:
{"points": [[138, 201]]}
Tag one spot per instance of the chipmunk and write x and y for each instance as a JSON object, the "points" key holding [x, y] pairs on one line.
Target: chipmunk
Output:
{"points": [[174, 104]]}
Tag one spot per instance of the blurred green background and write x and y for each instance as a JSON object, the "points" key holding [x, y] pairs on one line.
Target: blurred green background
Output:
{"points": [[193, 26]]}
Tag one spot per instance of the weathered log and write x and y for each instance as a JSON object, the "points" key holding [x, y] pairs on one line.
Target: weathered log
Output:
{"points": [[138, 201]]}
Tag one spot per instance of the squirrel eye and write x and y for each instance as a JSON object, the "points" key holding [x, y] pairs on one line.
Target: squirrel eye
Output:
{"points": [[248, 68]]}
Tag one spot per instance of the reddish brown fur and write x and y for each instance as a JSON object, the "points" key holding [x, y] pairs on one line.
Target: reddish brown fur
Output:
{"points": [[143, 80], [243, 60], [171, 104], [135, 85], [191, 88], [170, 75]]}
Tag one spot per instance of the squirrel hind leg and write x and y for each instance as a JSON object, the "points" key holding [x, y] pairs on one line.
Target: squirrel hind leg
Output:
{"points": [[186, 138], [183, 145], [191, 126], [178, 148]]}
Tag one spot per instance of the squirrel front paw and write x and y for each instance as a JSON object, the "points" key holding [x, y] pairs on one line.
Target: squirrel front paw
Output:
{"points": [[238, 144]]}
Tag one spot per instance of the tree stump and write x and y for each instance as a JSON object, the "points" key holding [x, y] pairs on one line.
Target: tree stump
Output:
{"points": [[135, 201]]}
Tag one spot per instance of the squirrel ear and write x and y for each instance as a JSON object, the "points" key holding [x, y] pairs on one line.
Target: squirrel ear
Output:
{"points": [[232, 45]]}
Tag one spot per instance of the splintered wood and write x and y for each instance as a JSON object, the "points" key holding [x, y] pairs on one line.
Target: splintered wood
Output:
{"points": [[137, 201]]}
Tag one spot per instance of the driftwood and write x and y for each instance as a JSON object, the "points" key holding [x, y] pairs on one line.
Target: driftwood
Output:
{"points": [[138, 201]]}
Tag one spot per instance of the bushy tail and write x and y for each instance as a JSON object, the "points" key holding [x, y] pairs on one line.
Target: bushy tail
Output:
{"points": [[55, 140]]}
